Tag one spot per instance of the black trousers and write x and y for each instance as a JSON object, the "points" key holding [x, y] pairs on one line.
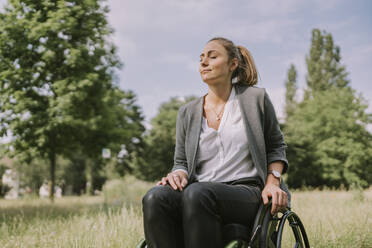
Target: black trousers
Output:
{"points": [[194, 217]]}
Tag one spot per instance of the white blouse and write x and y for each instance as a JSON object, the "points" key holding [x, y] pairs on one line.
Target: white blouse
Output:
{"points": [[223, 154]]}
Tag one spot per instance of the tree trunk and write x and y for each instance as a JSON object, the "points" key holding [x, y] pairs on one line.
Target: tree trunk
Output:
{"points": [[89, 176], [52, 176]]}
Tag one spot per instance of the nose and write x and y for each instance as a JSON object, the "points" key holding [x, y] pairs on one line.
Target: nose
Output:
{"points": [[203, 62]]}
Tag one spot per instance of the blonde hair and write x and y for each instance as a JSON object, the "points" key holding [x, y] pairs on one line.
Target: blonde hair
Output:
{"points": [[246, 71]]}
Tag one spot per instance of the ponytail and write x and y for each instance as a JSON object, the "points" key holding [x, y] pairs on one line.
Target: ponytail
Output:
{"points": [[246, 71]]}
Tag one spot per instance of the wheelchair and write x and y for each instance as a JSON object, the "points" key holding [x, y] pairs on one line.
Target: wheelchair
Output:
{"points": [[267, 231]]}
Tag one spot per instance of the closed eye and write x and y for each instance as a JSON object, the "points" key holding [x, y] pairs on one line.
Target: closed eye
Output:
{"points": [[213, 57]]}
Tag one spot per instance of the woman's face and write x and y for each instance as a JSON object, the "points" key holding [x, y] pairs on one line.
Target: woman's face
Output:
{"points": [[214, 64]]}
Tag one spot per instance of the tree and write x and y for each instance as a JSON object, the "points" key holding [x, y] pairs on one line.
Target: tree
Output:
{"points": [[323, 64], [328, 140], [129, 115], [291, 89], [56, 69], [120, 129], [156, 158], [326, 133]]}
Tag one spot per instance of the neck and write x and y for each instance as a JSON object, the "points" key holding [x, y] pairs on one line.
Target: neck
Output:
{"points": [[218, 94]]}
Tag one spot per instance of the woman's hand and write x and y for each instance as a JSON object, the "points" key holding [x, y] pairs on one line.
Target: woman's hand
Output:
{"points": [[176, 179], [279, 198]]}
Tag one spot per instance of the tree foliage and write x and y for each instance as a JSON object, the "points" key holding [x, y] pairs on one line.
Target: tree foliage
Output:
{"points": [[156, 158], [327, 136], [324, 64], [57, 69], [329, 142], [291, 89], [120, 129]]}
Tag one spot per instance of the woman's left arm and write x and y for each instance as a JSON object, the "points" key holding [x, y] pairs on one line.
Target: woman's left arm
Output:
{"points": [[274, 140], [279, 198], [276, 158]]}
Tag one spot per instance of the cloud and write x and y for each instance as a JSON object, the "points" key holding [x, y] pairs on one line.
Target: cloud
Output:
{"points": [[127, 46], [274, 8], [138, 16], [322, 6], [175, 58], [358, 55], [2, 3], [298, 60], [257, 21], [344, 24], [184, 60], [269, 31]]}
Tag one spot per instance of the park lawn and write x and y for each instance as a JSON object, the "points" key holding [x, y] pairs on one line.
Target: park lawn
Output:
{"points": [[331, 218], [69, 222]]}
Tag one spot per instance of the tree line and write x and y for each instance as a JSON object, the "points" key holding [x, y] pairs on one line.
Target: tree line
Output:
{"points": [[61, 104]]}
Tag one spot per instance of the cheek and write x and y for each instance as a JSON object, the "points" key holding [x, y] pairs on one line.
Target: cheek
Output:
{"points": [[220, 69], [220, 64]]}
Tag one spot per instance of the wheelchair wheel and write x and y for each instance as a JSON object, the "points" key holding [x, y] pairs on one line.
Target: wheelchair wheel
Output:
{"points": [[268, 232], [142, 244], [237, 244], [273, 227], [268, 236]]}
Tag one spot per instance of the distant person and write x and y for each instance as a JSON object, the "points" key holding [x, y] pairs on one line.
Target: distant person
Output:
{"points": [[229, 156], [58, 191], [44, 190]]}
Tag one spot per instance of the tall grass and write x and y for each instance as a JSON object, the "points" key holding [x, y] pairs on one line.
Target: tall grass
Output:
{"points": [[331, 218], [336, 218]]}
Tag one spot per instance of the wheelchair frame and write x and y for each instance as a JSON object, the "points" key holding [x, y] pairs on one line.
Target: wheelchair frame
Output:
{"points": [[267, 231]]}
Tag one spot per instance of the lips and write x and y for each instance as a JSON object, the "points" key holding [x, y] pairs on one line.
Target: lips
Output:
{"points": [[203, 71]]}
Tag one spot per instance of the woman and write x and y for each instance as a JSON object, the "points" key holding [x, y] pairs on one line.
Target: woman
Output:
{"points": [[229, 154]]}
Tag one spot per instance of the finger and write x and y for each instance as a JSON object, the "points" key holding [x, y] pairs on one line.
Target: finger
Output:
{"points": [[184, 182], [278, 204], [274, 202], [164, 180], [265, 197], [285, 201], [177, 181], [280, 201], [158, 183], [171, 182]]}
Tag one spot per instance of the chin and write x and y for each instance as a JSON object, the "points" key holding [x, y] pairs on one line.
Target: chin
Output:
{"points": [[206, 80], [209, 81]]}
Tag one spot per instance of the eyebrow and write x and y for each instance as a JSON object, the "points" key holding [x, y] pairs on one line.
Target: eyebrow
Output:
{"points": [[209, 52]]}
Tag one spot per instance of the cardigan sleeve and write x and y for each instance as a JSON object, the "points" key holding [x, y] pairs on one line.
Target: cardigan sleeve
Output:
{"points": [[180, 161], [274, 140]]}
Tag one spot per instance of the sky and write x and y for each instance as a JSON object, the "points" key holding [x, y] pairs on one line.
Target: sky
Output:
{"points": [[159, 42]]}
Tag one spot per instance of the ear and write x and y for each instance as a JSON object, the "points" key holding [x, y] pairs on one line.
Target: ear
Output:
{"points": [[234, 64]]}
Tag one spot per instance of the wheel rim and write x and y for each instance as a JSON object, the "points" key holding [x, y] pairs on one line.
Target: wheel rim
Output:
{"points": [[297, 228]]}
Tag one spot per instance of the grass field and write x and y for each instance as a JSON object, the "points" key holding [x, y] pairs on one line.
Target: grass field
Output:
{"points": [[331, 218]]}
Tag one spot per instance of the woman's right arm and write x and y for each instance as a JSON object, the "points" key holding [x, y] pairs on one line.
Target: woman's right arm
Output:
{"points": [[177, 178]]}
